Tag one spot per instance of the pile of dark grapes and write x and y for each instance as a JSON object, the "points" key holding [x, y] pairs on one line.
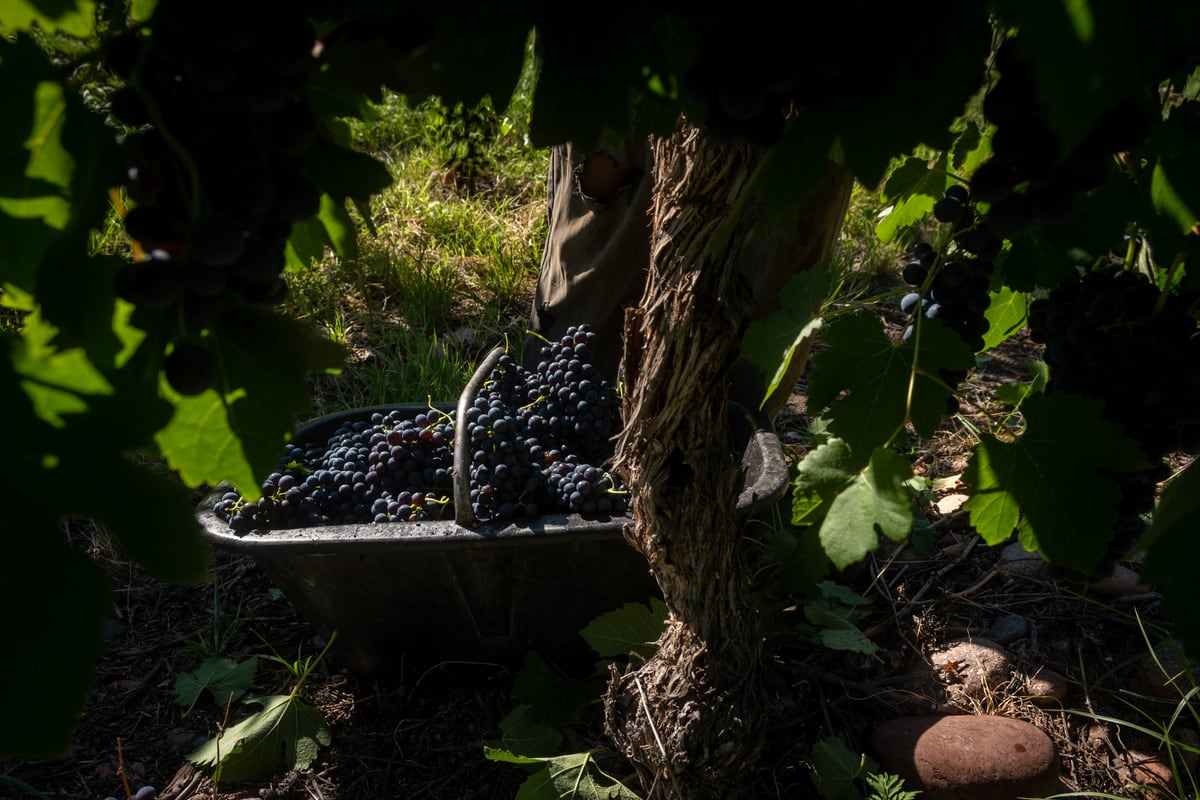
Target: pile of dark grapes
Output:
{"points": [[1112, 336], [218, 129], [388, 467], [1030, 176], [540, 436], [538, 441]]}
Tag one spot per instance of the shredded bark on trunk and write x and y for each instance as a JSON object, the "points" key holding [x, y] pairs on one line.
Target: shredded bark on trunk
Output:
{"points": [[688, 718], [691, 718]]}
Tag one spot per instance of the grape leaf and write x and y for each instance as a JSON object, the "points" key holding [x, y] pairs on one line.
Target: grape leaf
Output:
{"points": [[949, 47], [201, 446], [225, 680], [633, 628], [770, 344], [343, 173], [240, 437], [1172, 542], [820, 476], [54, 601], [834, 612], [860, 358], [869, 503], [552, 697], [332, 227], [836, 769], [163, 536], [797, 557], [846, 637], [286, 735], [522, 733], [1047, 253], [572, 777], [1005, 315], [73, 17], [912, 189], [1176, 169], [1050, 485], [1169, 200], [468, 56], [970, 149], [847, 603], [1014, 393], [1071, 46], [793, 167], [142, 10]]}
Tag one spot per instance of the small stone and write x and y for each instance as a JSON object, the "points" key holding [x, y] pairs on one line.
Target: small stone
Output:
{"points": [[1016, 560], [1008, 629], [1147, 769], [968, 757], [1122, 583], [976, 667], [1164, 673], [1046, 688]]}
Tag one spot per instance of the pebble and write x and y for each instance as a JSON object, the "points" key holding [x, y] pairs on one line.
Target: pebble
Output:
{"points": [[1046, 688], [1008, 629], [1164, 673], [1016, 560], [1148, 769], [968, 757], [976, 667], [1123, 582]]}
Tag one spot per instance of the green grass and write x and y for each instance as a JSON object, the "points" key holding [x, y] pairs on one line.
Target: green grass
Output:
{"points": [[446, 269]]}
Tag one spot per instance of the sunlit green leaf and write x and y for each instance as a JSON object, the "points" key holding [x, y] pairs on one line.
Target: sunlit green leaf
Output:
{"points": [[870, 503], [286, 734], [72, 17], [575, 777], [633, 628], [912, 189], [971, 149], [1053, 484], [223, 678], [201, 446], [1005, 315], [240, 437]]}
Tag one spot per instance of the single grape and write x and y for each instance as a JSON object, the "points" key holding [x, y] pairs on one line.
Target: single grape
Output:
{"points": [[190, 368]]}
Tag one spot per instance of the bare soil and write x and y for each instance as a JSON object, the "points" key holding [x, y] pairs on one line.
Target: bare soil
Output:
{"points": [[421, 734]]}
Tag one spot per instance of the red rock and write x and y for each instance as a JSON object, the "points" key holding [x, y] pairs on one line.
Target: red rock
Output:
{"points": [[968, 757]]}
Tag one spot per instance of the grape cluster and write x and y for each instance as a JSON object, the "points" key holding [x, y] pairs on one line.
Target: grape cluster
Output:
{"points": [[957, 294], [1111, 335], [1029, 177], [385, 468], [218, 130], [537, 439], [540, 434], [953, 287]]}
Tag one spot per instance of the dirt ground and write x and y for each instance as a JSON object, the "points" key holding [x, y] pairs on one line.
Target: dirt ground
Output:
{"points": [[421, 734]]}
